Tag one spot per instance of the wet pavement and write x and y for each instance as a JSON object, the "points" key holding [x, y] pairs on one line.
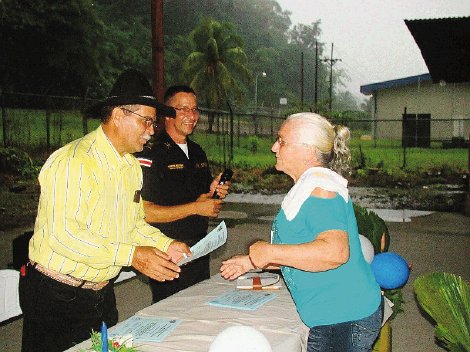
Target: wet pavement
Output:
{"points": [[272, 201], [448, 198]]}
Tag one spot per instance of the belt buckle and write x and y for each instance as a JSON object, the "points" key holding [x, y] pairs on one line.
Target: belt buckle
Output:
{"points": [[95, 286]]}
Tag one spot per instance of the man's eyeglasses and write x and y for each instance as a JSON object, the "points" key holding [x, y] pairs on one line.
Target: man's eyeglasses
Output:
{"points": [[148, 120], [187, 110]]}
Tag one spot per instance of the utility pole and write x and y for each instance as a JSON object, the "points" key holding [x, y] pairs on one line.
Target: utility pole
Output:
{"points": [[331, 61], [316, 78], [263, 74], [156, 8]]}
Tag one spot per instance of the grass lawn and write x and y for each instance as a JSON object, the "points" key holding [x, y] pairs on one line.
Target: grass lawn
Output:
{"points": [[27, 130], [386, 155]]}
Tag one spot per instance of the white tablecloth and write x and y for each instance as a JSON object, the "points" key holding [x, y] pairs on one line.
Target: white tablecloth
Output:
{"points": [[278, 319]]}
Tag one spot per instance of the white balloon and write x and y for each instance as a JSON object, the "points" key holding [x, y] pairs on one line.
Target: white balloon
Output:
{"points": [[367, 248], [240, 338]]}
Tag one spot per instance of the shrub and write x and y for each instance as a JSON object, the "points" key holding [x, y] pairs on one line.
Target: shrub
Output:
{"points": [[16, 161]]}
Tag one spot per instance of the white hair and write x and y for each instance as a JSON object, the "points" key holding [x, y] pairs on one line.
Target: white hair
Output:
{"points": [[331, 141]]}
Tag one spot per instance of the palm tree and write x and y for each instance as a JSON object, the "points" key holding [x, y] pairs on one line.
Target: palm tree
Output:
{"points": [[217, 67]]}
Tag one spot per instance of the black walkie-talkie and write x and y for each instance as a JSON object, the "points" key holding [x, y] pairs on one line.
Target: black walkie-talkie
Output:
{"points": [[226, 176]]}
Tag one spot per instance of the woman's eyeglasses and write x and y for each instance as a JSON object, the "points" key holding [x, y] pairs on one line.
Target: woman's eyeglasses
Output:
{"points": [[283, 143]]}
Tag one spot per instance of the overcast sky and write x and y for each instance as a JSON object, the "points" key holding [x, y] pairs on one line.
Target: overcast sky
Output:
{"points": [[370, 36]]}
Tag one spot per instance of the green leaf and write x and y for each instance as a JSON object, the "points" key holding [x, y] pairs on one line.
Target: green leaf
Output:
{"points": [[372, 226], [446, 298]]}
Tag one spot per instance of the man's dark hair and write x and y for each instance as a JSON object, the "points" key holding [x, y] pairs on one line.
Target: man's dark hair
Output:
{"points": [[173, 90]]}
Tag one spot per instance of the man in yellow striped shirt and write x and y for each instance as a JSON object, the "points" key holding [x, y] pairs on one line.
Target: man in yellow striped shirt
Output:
{"points": [[90, 224]]}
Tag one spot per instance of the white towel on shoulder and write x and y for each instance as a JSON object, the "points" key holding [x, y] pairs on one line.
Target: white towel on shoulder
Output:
{"points": [[312, 178]]}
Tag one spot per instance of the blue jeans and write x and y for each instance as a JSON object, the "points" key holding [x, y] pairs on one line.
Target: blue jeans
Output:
{"points": [[351, 336]]}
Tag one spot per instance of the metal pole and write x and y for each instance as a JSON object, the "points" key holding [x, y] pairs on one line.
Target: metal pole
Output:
{"points": [[223, 141], [157, 48], [238, 131], [331, 81], [467, 204], [302, 81], [256, 88], [331, 62], [48, 126], [374, 95], [4, 119], [84, 117], [231, 133], [316, 77], [256, 92], [405, 140]]}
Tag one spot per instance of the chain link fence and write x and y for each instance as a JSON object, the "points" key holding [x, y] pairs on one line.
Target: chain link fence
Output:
{"points": [[36, 123]]}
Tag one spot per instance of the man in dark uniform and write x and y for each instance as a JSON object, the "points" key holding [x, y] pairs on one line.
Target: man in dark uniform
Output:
{"points": [[178, 187]]}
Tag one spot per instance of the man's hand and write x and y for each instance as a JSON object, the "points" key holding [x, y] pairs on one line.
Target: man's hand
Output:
{"points": [[235, 266], [177, 250], [260, 254], [206, 206], [155, 264], [222, 190]]}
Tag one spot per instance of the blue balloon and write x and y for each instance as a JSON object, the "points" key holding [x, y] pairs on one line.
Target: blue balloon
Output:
{"points": [[390, 269]]}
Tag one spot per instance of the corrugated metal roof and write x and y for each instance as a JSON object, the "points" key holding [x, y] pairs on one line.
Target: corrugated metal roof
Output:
{"points": [[445, 46], [370, 88]]}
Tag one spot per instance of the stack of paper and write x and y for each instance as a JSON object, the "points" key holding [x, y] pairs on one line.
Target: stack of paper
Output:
{"points": [[259, 281]]}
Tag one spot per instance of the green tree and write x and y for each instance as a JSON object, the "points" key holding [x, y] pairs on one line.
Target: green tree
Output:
{"points": [[127, 40], [177, 49], [345, 101], [261, 23], [216, 69], [49, 47]]}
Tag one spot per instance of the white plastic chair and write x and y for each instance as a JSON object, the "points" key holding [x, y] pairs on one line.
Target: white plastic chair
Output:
{"points": [[9, 298]]}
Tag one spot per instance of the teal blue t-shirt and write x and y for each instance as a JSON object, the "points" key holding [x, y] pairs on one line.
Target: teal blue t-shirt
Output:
{"points": [[346, 293]]}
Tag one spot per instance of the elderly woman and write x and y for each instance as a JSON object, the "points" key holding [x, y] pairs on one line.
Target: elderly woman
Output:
{"points": [[315, 241]]}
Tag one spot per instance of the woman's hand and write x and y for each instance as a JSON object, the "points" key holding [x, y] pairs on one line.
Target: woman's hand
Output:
{"points": [[260, 254], [235, 266]]}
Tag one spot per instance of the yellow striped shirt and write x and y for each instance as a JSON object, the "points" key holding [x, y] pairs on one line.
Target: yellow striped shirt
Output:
{"points": [[88, 223]]}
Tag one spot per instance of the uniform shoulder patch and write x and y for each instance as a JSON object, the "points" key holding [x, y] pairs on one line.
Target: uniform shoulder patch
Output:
{"points": [[145, 162]]}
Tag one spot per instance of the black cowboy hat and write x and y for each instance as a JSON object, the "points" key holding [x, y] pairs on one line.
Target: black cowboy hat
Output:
{"points": [[131, 87]]}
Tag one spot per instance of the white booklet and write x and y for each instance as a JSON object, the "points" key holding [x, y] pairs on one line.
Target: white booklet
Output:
{"points": [[213, 240]]}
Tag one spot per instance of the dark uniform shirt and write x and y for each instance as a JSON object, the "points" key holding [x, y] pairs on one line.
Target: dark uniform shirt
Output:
{"points": [[170, 178]]}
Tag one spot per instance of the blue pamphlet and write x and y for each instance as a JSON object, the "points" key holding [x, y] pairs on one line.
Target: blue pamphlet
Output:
{"points": [[242, 299], [146, 329]]}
